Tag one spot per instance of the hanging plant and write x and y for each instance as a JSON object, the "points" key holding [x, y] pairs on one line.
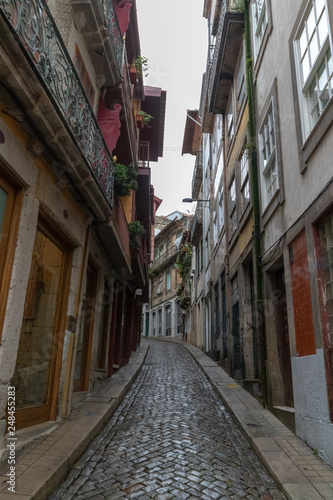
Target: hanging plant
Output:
{"points": [[125, 179], [143, 119], [141, 65], [135, 229]]}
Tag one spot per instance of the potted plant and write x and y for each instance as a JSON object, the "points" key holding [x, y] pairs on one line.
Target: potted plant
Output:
{"points": [[141, 64], [135, 229], [143, 119], [133, 73], [138, 69], [125, 179]]}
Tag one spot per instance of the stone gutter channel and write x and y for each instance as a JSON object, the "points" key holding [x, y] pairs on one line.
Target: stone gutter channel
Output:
{"points": [[43, 464], [298, 472]]}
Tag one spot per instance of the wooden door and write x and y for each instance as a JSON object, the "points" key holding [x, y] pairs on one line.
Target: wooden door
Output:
{"points": [[38, 365]]}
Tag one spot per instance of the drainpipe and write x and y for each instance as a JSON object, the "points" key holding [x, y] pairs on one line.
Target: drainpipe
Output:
{"points": [[258, 277]]}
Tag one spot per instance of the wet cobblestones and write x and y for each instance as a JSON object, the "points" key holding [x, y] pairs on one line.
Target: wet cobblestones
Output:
{"points": [[170, 438]]}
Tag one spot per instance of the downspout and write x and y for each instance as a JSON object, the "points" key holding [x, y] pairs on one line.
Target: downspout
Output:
{"points": [[258, 277]]}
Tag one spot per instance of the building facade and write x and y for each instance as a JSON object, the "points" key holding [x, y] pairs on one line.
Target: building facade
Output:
{"points": [[166, 312], [265, 144], [74, 247]]}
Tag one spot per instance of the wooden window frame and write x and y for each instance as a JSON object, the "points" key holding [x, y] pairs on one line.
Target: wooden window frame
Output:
{"points": [[10, 225]]}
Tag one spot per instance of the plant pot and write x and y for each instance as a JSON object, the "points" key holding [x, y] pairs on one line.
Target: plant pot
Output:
{"points": [[133, 75], [139, 122]]}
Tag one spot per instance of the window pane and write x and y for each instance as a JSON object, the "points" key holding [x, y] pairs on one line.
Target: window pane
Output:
{"points": [[314, 49], [320, 4], [311, 23], [37, 335], [303, 43], [305, 67], [323, 29], [322, 77], [329, 63]]}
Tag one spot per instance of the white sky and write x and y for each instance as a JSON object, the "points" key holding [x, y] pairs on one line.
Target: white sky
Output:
{"points": [[173, 36]]}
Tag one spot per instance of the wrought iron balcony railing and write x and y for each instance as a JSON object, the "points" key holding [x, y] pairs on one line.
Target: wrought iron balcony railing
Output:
{"points": [[214, 61], [113, 29], [42, 44], [197, 175], [197, 222], [165, 257]]}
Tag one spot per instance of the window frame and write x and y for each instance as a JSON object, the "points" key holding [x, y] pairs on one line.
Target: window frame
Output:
{"points": [[10, 224], [308, 146], [278, 197], [168, 277], [304, 85], [258, 54]]}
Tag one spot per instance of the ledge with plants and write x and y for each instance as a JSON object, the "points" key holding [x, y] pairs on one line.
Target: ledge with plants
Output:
{"points": [[138, 69], [143, 119], [135, 229], [125, 179]]}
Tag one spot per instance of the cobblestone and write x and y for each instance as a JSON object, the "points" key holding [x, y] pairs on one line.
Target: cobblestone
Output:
{"points": [[170, 438]]}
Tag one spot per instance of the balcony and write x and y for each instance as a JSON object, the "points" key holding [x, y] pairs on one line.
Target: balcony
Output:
{"points": [[143, 161], [41, 44], [98, 23], [196, 229], [197, 175], [165, 258], [229, 38]]}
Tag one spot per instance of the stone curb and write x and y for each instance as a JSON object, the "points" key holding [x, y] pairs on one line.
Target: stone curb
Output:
{"points": [[297, 471], [44, 467]]}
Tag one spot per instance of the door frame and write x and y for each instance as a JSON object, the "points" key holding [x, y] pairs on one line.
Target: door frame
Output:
{"points": [[33, 415]]}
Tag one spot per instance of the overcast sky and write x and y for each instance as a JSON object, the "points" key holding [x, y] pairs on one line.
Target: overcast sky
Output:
{"points": [[173, 36]]}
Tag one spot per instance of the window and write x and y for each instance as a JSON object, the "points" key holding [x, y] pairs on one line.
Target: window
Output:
{"points": [[240, 82], [268, 163], [7, 198], [154, 323], [221, 211], [155, 254], [168, 321], [215, 226], [259, 16], [160, 250], [168, 280], [232, 207], [230, 120], [314, 64], [245, 180], [160, 321], [83, 75]]}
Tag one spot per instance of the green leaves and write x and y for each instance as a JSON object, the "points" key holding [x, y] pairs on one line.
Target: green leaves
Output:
{"points": [[135, 229], [125, 179]]}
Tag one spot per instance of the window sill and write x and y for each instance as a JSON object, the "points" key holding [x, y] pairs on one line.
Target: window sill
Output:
{"points": [[271, 207], [316, 135]]}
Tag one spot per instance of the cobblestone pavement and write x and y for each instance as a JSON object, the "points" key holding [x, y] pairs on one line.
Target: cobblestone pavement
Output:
{"points": [[170, 438]]}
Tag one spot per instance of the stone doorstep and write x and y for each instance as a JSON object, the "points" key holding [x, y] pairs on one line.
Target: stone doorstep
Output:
{"points": [[261, 427], [48, 471]]}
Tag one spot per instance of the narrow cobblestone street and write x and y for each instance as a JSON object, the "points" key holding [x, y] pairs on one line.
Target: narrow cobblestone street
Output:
{"points": [[170, 438]]}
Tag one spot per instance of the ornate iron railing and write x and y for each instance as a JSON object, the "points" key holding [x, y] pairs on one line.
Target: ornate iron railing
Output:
{"points": [[113, 29], [197, 175], [165, 257], [197, 221], [216, 51], [42, 43]]}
